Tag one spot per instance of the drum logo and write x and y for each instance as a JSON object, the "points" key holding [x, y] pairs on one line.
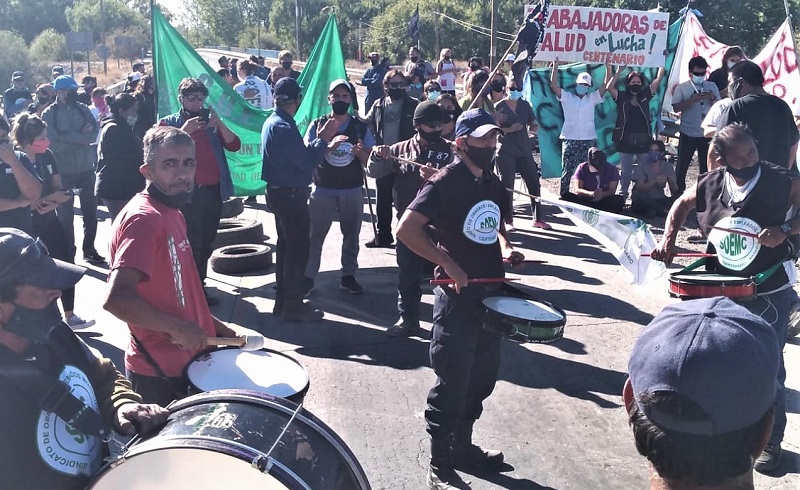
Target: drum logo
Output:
{"points": [[62, 447], [591, 216], [342, 155], [482, 223], [736, 252]]}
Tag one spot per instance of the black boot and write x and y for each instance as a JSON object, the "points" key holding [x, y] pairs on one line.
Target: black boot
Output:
{"points": [[441, 475], [467, 456]]}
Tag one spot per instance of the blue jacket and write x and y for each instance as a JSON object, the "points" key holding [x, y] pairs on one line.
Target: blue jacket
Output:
{"points": [[225, 181], [288, 162]]}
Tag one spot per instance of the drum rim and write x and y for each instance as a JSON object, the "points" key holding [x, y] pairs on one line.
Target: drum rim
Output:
{"points": [[732, 280], [288, 406], [558, 335], [299, 394], [543, 323]]}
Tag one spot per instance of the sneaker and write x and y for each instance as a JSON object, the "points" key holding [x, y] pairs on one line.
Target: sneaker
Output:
{"points": [[542, 224], [770, 459], [697, 239], [77, 323], [308, 286], [93, 257], [403, 328], [349, 284], [381, 241], [251, 200]]}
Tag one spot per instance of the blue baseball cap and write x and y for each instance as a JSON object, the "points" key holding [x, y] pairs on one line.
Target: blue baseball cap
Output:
{"points": [[25, 261], [475, 122], [286, 88], [713, 352], [64, 82]]}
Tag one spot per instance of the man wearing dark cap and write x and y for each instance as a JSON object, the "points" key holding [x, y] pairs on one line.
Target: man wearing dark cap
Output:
{"points": [[288, 166], [18, 90], [60, 401], [466, 203], [747, 209], [338, 182], [768, 117], [223, 62], [432, 152], [700, 394], [57, 71], [373, 80]]}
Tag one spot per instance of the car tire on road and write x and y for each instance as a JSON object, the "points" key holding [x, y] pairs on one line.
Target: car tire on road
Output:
{"points": [[241, 259], [235, 231], [232, 208]]}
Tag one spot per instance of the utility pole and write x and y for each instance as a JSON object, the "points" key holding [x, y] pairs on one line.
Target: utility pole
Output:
{"points": [[493, 38], [436, 29], [297, 26], [360, 42], [258, 29], [103, 36]]}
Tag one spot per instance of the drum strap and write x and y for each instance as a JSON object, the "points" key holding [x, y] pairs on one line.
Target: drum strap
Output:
{"points": [[757, 279], [159, 372], [54, 396]]}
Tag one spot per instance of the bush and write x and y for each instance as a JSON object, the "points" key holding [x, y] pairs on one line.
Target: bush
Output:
{"points": [[49, 45], [248, 38], [13, 56]]}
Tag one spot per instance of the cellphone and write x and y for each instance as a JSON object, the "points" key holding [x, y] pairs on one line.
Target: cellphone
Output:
{"points": [[74, 191], [205, 114]]}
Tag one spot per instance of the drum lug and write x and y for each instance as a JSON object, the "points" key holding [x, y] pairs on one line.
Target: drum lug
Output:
{"points": [[262, 463]]}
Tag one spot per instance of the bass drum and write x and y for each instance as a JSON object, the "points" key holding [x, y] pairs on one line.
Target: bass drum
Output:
{"points": [[236, 439]]}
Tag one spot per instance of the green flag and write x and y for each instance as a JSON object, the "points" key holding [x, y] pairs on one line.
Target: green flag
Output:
{"points": [[551, 118], [174, 59]]}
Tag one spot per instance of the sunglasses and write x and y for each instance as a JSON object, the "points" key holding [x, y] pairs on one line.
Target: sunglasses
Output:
{"points": [[397, 84], [195, 98], [433, 124], [699, 74], [33, 253]]}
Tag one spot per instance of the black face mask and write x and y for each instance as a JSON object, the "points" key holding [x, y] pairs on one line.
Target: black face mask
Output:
{"points": [[43, 100], [481, 157], [396, 93], [430, 136], [340, 107], [415, 58], [374, 61], [498, 86], [34, 325], [174, 201], [72, 96], [287, 65], [746, 173], [634, 89]]}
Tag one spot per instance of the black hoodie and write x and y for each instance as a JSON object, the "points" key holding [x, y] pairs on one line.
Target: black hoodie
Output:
{"points": [[119, 156]]}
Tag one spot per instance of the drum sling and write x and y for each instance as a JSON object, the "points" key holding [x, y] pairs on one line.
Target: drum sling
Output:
{"points": [[758, 279]]}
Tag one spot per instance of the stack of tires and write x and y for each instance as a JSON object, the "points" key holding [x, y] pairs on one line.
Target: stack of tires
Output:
{"points": [[239, 247]]}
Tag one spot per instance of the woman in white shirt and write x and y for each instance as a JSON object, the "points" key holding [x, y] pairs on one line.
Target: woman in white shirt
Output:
{"points": [[578, 131], [446, 69]]}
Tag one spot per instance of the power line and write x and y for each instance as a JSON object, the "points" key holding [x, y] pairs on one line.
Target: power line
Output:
{"points": [[505, 36]]}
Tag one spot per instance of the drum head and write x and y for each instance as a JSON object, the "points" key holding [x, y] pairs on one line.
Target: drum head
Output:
{"points": [[264, 371], [708, 278], [525, 309]]}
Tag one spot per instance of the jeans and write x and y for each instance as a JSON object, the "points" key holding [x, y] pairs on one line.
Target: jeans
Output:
{"points": [[409, 293], [323, 208], [202, 220], [626, 167], [573, 153], [774, 308], [384, 186], [687, 146], [292, 222], [66, 211], [465, 358], [508, 166]]}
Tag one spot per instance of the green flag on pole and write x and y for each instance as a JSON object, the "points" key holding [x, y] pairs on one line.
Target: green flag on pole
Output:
{"points": [[174, 59]]}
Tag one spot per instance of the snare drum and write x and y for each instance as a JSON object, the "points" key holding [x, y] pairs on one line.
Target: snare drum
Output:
{"points": [[524, 319], [236, 439], [698, 284], [265, 371]]}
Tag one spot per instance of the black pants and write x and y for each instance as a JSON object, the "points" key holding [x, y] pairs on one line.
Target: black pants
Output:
{"points": [[293, 224], [384, 210], [611, 204], [49, 230], [158, 390], [687, 146], [202, 220], [66, 212], [409, 293], [465, 357]]}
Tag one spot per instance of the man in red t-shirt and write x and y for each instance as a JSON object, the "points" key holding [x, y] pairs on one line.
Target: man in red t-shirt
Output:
{"points": [[213, 183], [154, 285]]}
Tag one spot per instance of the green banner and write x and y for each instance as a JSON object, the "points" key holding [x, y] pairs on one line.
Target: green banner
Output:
{"points": [[551, 117], [174, 59]]}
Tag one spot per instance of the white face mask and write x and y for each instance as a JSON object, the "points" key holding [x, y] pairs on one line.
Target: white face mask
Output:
{"points": [[731, 64], [698, 80]]}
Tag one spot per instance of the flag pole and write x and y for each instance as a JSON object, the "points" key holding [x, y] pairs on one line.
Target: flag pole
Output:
{"points": [[791, 28], [153, 55]]}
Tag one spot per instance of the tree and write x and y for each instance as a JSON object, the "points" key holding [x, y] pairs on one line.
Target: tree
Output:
{"points": [[49, 45], [30, 17], [84, 15], [13, 56]]}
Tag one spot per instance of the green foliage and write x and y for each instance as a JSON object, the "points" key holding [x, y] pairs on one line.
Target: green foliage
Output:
{"points": [[30, 17], [249, 37], [13, 56], [47, 46], [84, 15]]}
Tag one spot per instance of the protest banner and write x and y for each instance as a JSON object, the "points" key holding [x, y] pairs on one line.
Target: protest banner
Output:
{"points": [[598, 36], [778, 61]]}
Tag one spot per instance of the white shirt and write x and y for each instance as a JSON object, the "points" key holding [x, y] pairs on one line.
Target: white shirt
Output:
{"points": [[715, 114], [579, 115], [447, 80], [255, 91]]}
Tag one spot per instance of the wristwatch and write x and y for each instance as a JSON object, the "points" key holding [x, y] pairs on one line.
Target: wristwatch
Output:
{"points": [[786, 228]]}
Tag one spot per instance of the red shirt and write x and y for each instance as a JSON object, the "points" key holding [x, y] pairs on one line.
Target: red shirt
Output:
{"points": [[151, 238], [207, 165]]}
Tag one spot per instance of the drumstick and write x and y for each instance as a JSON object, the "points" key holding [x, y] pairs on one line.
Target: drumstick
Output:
{"points": [[736, 232], [532, 261], [226, 341], [482, 280], [537, 198], [687, 254], [410, 162]]}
